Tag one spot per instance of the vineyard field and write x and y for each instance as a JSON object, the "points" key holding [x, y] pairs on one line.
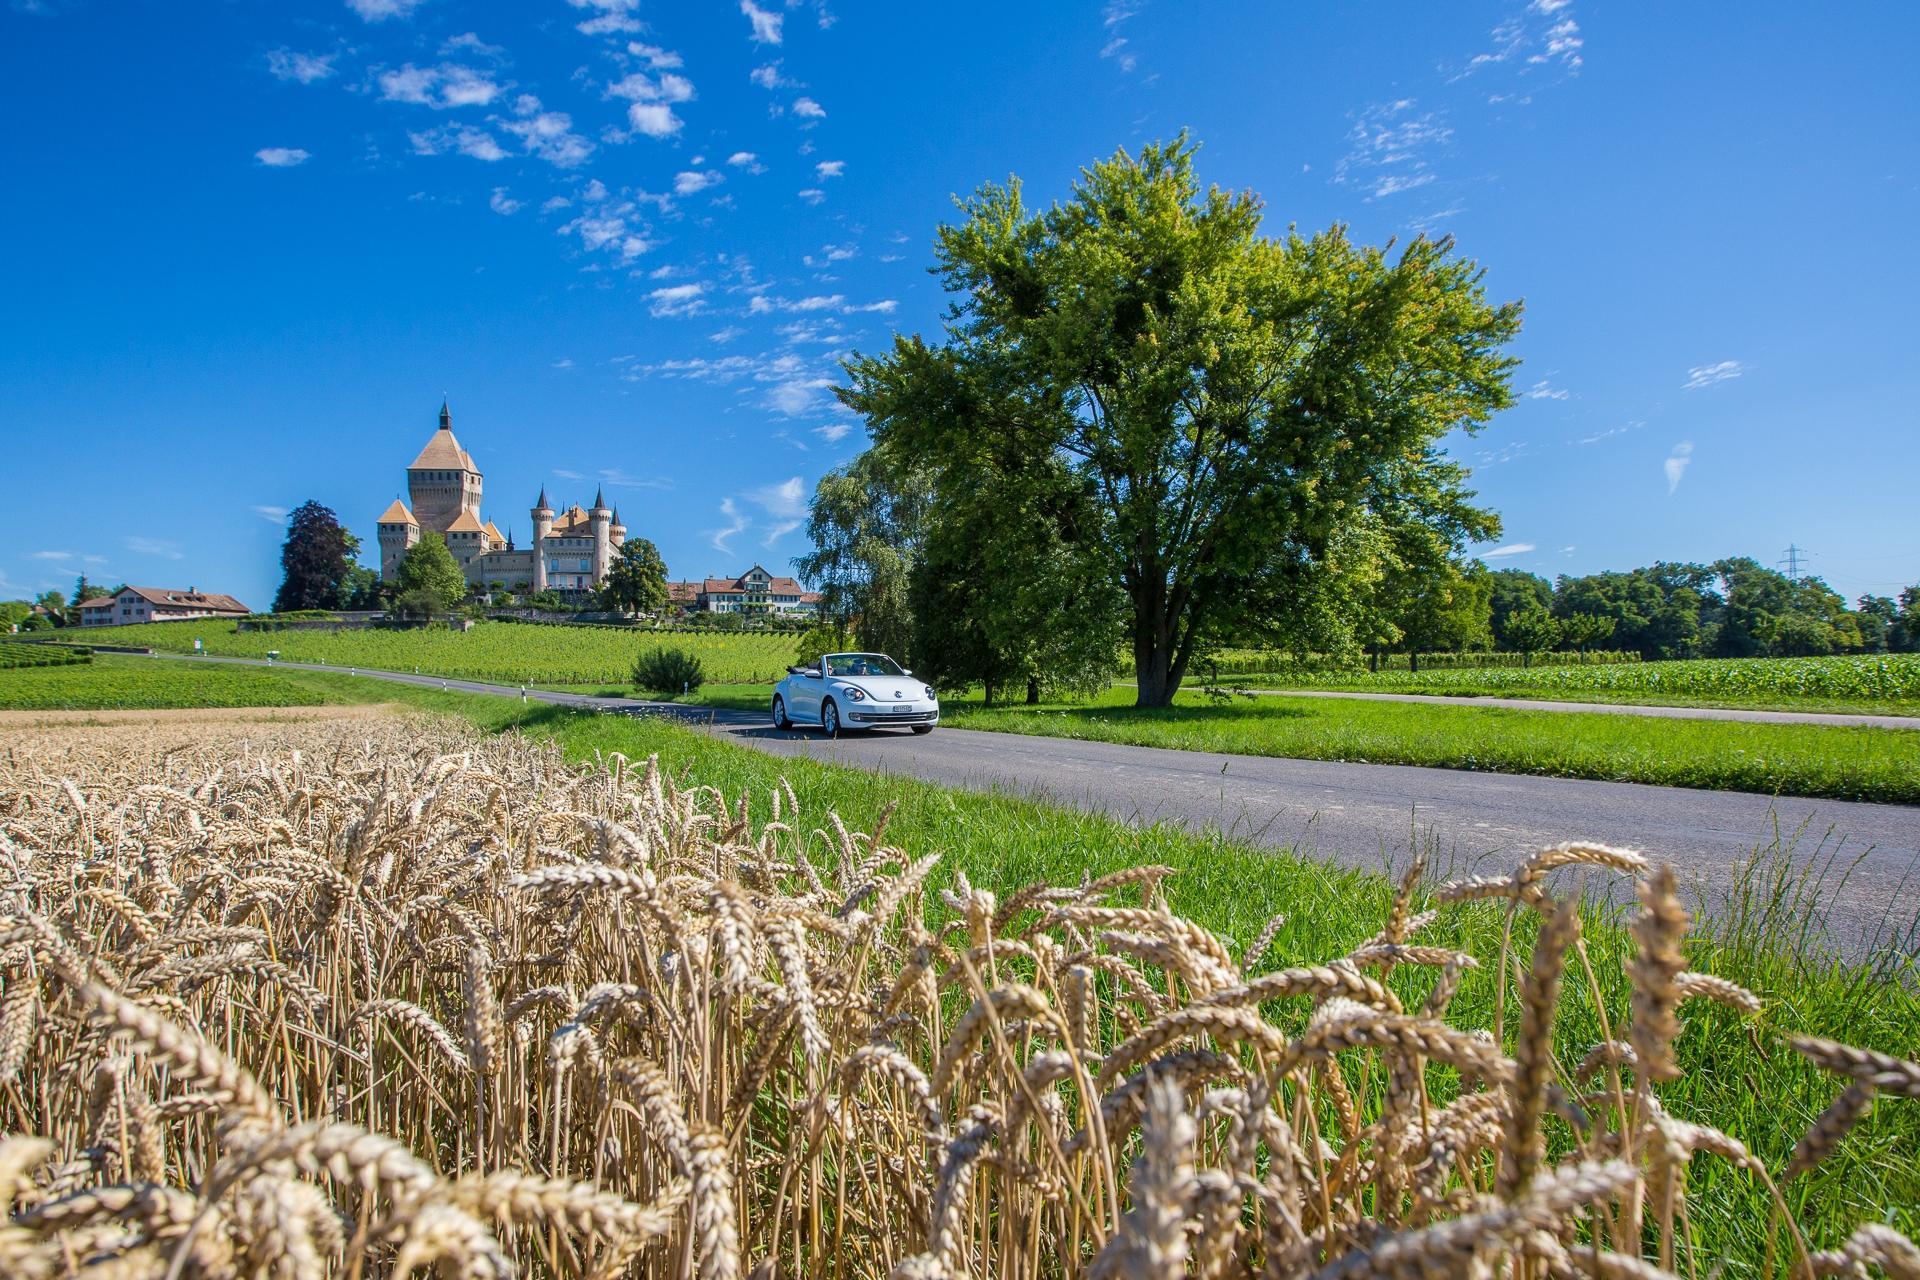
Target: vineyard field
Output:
{"points": [[499, 651], [1881, 679], [120, 684]]}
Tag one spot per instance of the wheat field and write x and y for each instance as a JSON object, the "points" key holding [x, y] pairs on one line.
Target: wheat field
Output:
{"points": [[383, 998]]}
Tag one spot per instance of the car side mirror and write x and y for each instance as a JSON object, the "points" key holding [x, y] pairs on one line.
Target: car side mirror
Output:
{"points": [[906, 671]]}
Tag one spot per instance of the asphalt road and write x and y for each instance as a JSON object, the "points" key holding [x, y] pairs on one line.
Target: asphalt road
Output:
{"points": [[1363, 815]]}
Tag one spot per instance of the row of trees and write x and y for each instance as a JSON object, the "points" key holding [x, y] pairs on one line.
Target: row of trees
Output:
{"points": [[1732, 608]]}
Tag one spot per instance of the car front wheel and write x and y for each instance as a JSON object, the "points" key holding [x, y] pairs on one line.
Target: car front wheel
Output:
{"points": [[780, 720], [830, 720]]}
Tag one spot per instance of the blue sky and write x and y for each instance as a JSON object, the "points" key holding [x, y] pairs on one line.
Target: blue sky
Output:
{"points": [[246, 248]]}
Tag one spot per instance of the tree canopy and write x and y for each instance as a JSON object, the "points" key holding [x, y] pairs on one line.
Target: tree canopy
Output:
{"points": [[637, 578], [1227, 406], [429, 576], [316, 561]]}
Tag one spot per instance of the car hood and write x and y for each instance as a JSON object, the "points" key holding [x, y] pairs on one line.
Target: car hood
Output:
{"points": [[886, 688]]}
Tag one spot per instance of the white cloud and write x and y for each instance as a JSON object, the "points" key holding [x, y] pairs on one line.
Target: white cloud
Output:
{"points": [[689, 182], [1610, 432], [1705, 375], [809, 109], [1388, 148], [1544, 390], [830, 169], [657, 58], [883, 305], [784, 500], [1677, 462], [272, 515], [503, 204], [678, 300], [638, 86], [50, 555], [553, 204], [812, 195], [726, 335], [547, 134], [1394, 183], [737, 524], [655, 119], [610, 24], [1510, 549], [1111, 16], [442, 88], [305, 68], [154, 547], [477, 144], [833, 432], [381, 10], [766, 25], [281, 157], [564, 362], [770, 77]]}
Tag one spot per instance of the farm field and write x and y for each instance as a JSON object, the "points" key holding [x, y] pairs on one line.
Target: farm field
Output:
{"points": [[1810, 760], [1882, 683], [1735, 1070], [508, 652], [122, 683]]}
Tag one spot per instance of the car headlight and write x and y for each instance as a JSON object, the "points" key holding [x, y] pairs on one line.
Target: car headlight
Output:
{"points": [[931, 695], [854, 692]]}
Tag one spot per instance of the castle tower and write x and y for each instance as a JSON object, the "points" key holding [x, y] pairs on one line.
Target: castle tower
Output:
{"points": [[618, 532], [443, 483], [542, 526], [398, 532], [601, 518]]}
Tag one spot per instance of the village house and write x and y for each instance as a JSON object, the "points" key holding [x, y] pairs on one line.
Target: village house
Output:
{"points": [[754, 592], [157, 604]]}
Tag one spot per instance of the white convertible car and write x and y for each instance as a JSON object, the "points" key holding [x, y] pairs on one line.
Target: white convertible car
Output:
{"points": [[854, 691]]}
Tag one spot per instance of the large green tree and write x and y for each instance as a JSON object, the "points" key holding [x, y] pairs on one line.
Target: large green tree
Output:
{"points": [[1515, 591], [316, 561], [1232, 402], [637, 578], [429, 576]]}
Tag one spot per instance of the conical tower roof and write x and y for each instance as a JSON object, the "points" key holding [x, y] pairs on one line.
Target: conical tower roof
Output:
{"points": [[443, 452], [541, 503], [600, 499]]}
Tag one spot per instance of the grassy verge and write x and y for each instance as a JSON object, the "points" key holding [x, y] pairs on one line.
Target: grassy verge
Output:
{"points": [[1738, 1074], [110, 683], [1616, 698], [1772, 759]]}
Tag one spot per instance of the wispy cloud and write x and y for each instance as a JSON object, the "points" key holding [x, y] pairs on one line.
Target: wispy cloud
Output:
{"points": [[1545, 390], [677, 300], [381, 10], [812, 195], [547, 134], [830, 169], [1390, 148], [691, 182], [503, 204], [808, 109], [736, 525], [1609, 433], [445, 87], [50, 555], [766, 24], [272, 515], [1677, 462], [474, 143], [1510, 549], [1705, 375], [786, 506], [154, 547], [746, 160], [302, 68], [1114, 45], [833, 432], [282, 157]]}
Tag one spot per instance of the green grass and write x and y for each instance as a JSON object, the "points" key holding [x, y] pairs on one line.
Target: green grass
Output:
{"points": [[1739, 1076], [1783, 759], [504, 651], [109, 683], [1881, 683]]}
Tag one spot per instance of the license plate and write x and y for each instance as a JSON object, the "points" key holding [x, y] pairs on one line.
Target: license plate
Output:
{"points": [[903, 711]]}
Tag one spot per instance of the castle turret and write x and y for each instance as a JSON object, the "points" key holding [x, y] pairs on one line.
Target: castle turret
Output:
{"points": [[600, 516], [542, 526], [618, 532], [398, 532]]}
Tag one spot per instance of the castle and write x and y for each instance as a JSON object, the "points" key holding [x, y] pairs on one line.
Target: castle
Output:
{"points": [[572, 549]]}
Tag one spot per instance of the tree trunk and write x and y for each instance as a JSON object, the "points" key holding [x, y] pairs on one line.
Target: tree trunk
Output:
{"points": [[1413, 662], [1033, 691]]}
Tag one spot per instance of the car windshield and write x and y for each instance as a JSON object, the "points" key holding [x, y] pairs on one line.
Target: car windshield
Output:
{"points": [[861, 664]]}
